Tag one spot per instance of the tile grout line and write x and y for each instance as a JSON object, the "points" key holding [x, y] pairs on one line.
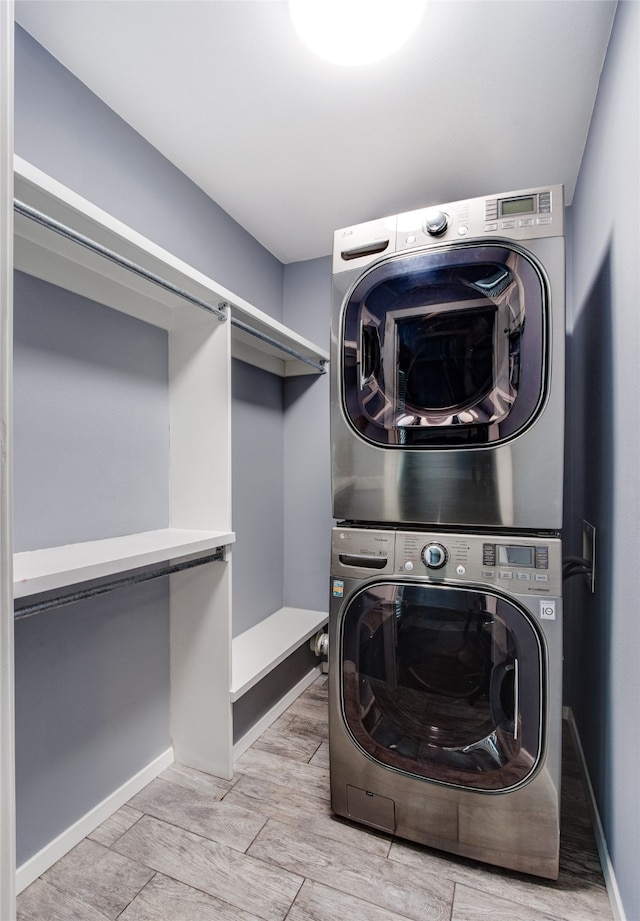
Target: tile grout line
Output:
{"points": [[196, 888], [453, 900], [155, 873], [293, 901]]}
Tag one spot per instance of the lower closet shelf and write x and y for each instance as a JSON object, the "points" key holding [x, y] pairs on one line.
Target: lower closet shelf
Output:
{"points": [[56, 567], [260, 649]]}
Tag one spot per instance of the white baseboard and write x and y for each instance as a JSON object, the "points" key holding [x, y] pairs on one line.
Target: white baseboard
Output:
{"points": [[277, 710], [36, 865], [601, 842]]}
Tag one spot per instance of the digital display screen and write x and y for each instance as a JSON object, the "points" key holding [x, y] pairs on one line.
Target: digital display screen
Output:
{"points": [[516, 556], [518, 206]]}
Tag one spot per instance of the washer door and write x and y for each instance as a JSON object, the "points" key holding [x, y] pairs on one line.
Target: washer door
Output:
{"points": [[444, 683], [445, 348]]}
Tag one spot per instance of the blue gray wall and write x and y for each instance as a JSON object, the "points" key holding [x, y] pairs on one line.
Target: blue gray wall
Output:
{"points": [[92, 706], [91, 433], [105, 720], [603, 423], [258, 495], [307, 461]]}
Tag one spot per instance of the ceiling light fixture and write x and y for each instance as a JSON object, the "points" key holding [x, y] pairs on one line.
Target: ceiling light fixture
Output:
{"points": [[354, 32]]}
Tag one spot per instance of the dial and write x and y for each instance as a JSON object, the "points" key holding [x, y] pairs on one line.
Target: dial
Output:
{"points": [[435, 222], [434, 556]]}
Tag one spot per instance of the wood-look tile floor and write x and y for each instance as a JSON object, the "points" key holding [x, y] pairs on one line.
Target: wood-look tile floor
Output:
{"points": [[265, 847]]}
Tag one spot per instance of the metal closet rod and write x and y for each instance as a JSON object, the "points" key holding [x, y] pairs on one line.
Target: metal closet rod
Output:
{"points": [[46, 221], [318, 365], [117, 258], [104, 588]]}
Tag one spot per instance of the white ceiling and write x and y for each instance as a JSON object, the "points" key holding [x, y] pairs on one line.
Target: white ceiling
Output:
{"points": [[488, 96]]}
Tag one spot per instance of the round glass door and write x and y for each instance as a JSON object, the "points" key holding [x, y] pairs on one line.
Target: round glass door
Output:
{"points": [[444, 683], [445, 348]]}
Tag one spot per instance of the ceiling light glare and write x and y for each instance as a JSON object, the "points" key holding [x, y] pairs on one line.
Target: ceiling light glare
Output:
{"points": [[355, 32]]}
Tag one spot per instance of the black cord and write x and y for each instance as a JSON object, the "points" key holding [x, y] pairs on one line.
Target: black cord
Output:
{"points": [[575, 572], [575, 566]]}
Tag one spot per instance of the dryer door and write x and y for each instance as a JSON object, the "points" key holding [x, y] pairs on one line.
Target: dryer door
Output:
{"points": [[444, 683], [446, 347]]}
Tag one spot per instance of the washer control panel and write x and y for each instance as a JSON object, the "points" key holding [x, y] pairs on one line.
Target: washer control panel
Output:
{"points": [[520, 565]]}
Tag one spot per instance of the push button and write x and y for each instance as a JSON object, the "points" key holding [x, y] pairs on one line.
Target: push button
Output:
{"points": [[542, 557], [491, 209], [489, 555]]}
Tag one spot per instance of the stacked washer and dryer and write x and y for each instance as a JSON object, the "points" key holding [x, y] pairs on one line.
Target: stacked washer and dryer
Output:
{"points": [[447, 421]]}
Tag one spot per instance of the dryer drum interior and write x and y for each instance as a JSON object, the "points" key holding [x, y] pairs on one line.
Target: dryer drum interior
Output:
{"points": [[445, 348], [443, 684]]}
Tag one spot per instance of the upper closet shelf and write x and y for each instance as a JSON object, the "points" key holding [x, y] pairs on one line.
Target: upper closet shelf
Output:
{"points": [[56, 567], [58, 257]]}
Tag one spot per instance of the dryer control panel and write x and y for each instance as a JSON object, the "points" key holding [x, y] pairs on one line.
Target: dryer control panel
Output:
{"points": [[526, 214]]}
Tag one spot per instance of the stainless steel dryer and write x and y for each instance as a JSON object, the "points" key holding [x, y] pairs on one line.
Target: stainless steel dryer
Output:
{"points": [[447, 365], [445, 684]]}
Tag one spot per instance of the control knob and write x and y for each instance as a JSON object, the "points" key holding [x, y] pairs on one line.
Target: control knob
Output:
{"points": [[434, 556], [435, 222]]}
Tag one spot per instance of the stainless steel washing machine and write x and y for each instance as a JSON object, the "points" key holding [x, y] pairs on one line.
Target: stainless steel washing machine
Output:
{"points": [[445, 690], [447, 365]]}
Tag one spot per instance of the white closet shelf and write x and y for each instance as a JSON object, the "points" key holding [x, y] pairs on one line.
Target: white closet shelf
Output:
{"points": [[56, 567], [46, 254], [268, 356], [260, 649]]}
